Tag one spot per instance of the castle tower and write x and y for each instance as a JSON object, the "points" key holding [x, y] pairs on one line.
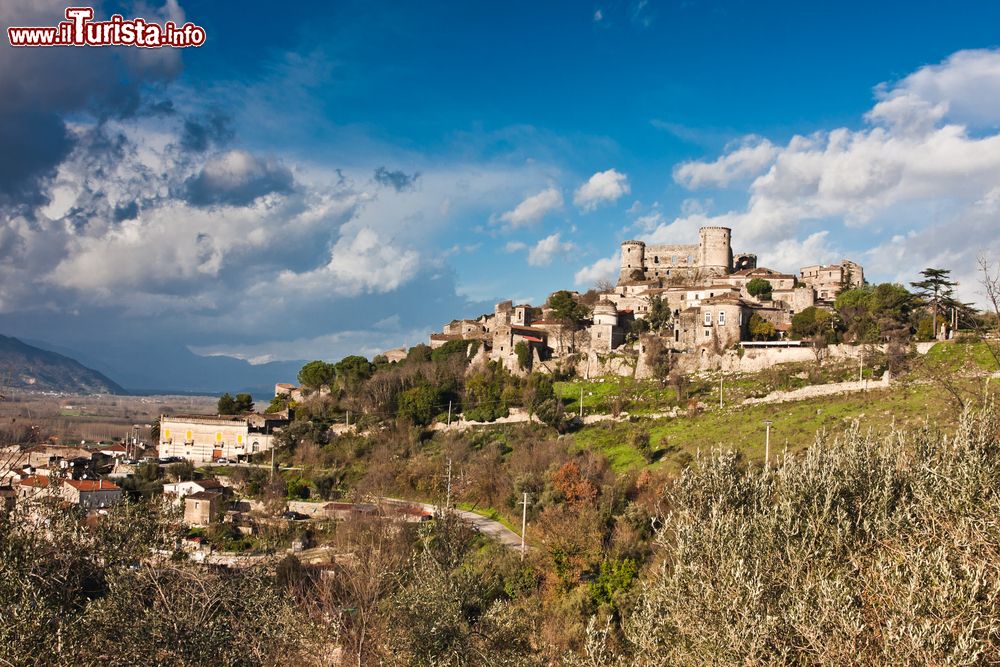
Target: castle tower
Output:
{"points": [[633, 258], [716, 253]]}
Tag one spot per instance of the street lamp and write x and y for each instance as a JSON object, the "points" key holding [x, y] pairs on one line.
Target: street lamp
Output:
{"points": [[767, 442]]}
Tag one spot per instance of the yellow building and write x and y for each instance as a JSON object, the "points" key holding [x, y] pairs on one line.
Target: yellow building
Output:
{"points": [[206, 438]]}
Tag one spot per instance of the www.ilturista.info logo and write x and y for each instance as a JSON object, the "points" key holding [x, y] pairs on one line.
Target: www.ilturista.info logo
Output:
{"points": [[80, 30]]}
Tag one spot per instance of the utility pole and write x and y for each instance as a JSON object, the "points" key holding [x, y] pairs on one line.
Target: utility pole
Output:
{"points": [[272, 461], [581, 402], [348, 419], [720, 390], [524, 522], [767, 443], [447, 503], [449, 413], [861, 368]]}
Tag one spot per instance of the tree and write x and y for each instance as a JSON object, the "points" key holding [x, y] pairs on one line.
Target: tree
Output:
{"points": [[315, 374], [658, 358], [761, 329], [760, 288], [227, 405], [419, 404], [566, 308], [353, 370], [244, 403], [811, 322], [523, 351], [936, 289], [659, 313]]}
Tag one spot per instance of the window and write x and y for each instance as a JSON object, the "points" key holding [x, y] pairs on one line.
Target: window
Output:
{"points": [[656, 259], [673, 259], [722, 318], [706, 333], [708, 318]]}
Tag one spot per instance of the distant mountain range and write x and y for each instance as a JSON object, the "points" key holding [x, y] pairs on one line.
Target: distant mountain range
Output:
{"points": [[174, 369], [24, 366]]}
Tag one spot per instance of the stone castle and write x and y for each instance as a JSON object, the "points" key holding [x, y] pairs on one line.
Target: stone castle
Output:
{"points": [[703, 286]]}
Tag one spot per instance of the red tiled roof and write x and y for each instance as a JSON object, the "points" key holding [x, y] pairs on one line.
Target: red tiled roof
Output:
{"points": [[36, 481], [92, 485]]}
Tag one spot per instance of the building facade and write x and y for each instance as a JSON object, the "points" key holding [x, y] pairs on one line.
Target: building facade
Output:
{"points": [[207, 438]]}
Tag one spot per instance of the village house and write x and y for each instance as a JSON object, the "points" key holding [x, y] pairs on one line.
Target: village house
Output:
{"points": [[703, 287], [202, 508], [85, 493], [207, 438], [180, 490]]}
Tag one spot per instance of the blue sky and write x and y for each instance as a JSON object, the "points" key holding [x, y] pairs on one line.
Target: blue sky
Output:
{"points": [[344, 177]]}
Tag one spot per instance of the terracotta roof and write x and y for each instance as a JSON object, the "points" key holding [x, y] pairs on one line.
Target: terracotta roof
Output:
{"points": [[208, 483], [36, 481], [92, 485], [114, 448]]}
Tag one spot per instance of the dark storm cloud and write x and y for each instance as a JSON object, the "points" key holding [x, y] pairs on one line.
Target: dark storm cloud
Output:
{"points": [[237, 179], [200, 134], [398, 180], [39, 86]]}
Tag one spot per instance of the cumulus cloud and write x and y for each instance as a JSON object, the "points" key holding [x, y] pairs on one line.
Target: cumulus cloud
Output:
{"points": [[237, 178], [547, 249], [918, 176], [605, 269], [750, 158], [602, 187], [532, 209], [515, 246], [358, 264]]}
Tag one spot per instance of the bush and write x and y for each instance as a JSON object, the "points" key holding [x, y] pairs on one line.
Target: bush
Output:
{"points": [[419, 405], [760, 288], [864, 550]]}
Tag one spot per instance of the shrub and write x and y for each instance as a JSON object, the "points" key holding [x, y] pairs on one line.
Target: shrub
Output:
{"points": [[863, 550]]}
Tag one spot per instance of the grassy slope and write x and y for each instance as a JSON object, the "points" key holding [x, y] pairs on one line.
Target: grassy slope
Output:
{"points": [[795, 423]]}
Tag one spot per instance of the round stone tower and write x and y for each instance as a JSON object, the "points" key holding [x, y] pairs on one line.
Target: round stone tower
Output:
{"points": [[633, 258], [605, 312], [716, 251]]}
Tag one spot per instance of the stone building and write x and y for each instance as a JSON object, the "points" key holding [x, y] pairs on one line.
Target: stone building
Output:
{"points": [[605, 333], [207, 438], [202, 508], [703, 287], [85, 493], [828, 281], [91, 493], [711, 256]]}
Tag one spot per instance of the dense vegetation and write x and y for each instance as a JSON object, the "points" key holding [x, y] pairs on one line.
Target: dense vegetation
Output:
{"points": [[864, 549]]}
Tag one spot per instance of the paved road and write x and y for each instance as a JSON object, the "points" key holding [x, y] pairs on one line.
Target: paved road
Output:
{"points": [[488, 527]]}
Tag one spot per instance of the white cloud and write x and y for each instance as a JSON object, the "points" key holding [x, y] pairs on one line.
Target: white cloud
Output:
{"points": [[598, 16], [359, 264], [534, 208], [603, 269], [514, 246], [920, 173], [543, 252], [750, 158], [604, 186]]}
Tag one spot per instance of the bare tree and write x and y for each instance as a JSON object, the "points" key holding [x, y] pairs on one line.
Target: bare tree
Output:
{"points": [[990, 283]]}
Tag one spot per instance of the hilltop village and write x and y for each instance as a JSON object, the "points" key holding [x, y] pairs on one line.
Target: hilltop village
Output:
{"points": [[704, 299]]}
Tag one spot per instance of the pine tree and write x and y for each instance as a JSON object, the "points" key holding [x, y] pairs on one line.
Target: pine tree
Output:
{"points": [[935, 289]]}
